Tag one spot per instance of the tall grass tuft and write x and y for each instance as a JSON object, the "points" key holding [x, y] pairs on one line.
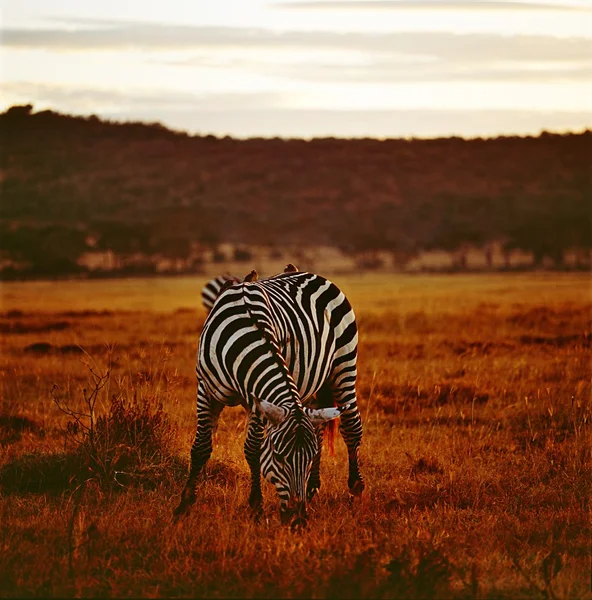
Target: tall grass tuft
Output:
{"points": [[124, 437]]}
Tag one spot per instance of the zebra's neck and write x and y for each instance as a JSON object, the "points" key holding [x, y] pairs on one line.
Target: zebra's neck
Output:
{"points": [[275, 384]]}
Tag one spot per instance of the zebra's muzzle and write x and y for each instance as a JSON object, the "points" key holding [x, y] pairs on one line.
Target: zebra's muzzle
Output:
{"points": [[294, 515]]}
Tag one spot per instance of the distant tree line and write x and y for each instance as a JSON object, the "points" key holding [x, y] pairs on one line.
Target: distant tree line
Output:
{"points": [[71, 185]]}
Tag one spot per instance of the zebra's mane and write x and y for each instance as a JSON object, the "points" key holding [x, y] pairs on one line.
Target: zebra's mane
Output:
{"points": [[302, 431]]}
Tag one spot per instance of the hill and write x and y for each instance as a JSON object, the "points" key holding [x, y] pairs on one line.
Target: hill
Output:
{"points": [[72, 187]]}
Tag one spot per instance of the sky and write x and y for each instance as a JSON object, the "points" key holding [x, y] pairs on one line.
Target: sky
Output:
{"points": [[306, 68]]}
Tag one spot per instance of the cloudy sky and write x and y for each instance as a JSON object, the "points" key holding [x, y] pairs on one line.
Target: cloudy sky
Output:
{"points": [[380, 68]]}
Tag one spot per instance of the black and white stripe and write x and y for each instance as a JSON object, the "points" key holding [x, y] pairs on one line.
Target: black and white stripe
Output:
{"points": [[273, 346], [211, 290]]}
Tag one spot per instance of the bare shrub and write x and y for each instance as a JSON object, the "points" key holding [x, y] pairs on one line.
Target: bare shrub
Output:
{"points": [[133, 440]]}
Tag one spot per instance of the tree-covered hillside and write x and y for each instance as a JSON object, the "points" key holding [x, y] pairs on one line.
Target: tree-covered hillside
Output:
{"points": [[71, 185]]}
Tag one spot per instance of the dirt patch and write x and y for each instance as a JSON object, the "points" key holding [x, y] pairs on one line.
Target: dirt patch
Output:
{"points": [[42, 348], [37, 473], [13, 314], [560, 341], [20, 328], [12, 428], [87, 313], [39, 348]]}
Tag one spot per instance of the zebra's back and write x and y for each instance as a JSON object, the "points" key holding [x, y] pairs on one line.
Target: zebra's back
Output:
{"points": [[302, 317]]}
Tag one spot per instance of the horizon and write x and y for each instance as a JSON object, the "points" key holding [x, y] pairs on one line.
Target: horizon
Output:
{"points": [[123, 122], [345, 69]]}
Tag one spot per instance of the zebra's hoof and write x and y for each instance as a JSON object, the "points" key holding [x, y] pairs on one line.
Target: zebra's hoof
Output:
{"points": [[256, 511], [187, 501], [298, 523], [357, 488], [180, 511]]}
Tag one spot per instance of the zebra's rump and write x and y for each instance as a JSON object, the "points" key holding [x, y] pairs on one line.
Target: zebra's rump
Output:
{"points": [[301, 320]]}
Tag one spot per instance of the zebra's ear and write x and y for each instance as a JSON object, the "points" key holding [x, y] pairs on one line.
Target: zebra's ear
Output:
{"points": [[274, 414], [322, 415]]}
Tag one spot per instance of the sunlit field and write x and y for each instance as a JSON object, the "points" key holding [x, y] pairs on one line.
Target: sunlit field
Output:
{"points": [[475, 395]]}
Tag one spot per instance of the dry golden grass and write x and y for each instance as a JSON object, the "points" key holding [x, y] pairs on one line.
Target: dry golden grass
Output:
{"points": [[475, 393]]}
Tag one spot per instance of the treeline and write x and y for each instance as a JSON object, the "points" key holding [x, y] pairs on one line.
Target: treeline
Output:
{"points": [[71, 185]]}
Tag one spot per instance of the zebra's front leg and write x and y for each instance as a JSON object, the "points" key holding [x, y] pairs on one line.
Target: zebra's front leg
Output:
{"points": [[208, 412], [253, 456], [314, 483]]}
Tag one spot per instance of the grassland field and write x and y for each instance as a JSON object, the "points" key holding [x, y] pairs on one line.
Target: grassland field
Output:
{"points": [[475, 393]]}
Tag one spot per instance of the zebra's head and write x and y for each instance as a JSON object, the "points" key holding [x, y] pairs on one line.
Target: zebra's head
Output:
{"points": [[287, 454]]}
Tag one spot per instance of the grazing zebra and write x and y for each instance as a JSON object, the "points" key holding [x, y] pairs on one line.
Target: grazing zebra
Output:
{"points": [[212, 289], [270, 346]]}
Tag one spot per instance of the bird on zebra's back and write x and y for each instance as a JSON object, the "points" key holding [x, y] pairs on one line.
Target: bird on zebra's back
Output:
{"points": [[276, 346], [213, 288], [216, 286]]}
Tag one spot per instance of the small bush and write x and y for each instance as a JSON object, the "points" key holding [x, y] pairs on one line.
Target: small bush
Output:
{"points": [[133, 442]]}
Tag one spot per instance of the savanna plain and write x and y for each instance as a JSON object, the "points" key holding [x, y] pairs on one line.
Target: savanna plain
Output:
{"points": [[475, 396]]}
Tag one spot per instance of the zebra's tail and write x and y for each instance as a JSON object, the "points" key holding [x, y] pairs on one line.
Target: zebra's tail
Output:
{"points": [[330, 430], [325, 400]]}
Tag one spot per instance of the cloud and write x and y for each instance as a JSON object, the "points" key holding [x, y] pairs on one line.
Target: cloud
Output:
{"points": [[249, 115], [431, 5], [472, 48], [388, 71], [138, 100]]}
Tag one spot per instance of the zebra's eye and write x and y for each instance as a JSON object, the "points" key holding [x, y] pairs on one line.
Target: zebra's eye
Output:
{"points": [[278, 458]]}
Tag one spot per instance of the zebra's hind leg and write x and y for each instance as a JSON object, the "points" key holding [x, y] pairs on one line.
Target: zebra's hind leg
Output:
{"points": [[350, 428], [208, 412], [253, 456], [351, 431]]}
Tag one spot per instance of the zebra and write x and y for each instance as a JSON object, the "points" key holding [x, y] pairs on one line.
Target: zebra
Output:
{"points": [[212, 289], [271, 345]]}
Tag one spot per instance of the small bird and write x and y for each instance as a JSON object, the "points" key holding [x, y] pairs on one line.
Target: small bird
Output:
{"points": [[252, 276], [290, 268]]}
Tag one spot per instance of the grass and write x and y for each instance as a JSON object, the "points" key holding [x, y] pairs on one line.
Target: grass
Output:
{"points": [[475, 393]]}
